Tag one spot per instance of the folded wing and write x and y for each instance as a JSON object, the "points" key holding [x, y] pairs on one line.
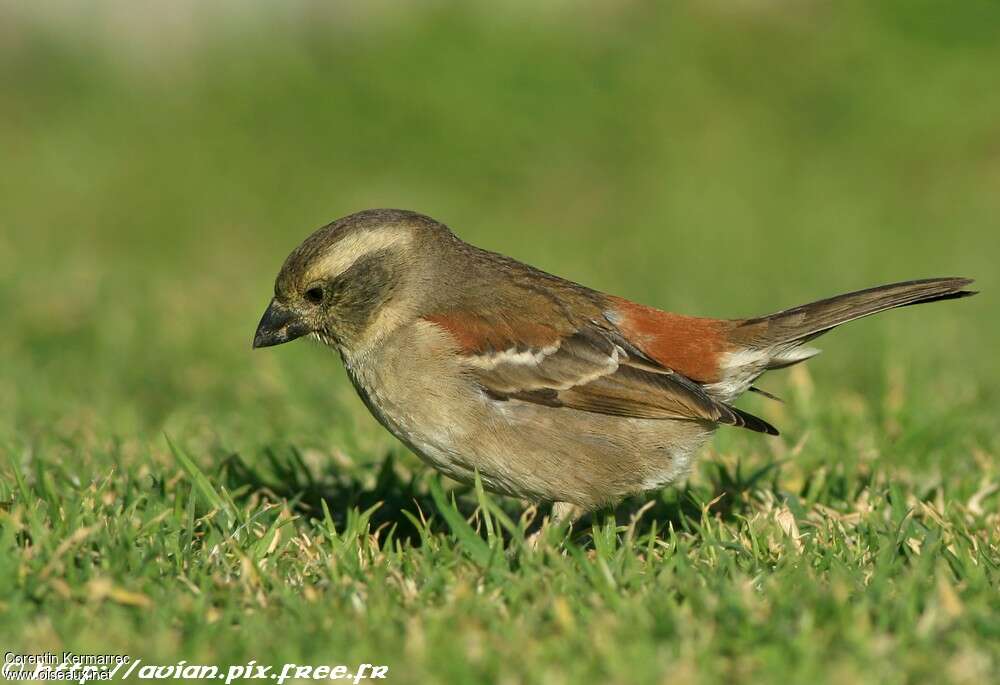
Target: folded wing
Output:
{"points": [[588, 366]]}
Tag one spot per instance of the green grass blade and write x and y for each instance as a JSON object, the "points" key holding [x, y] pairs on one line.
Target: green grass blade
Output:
{"points": [[202, 484], [468, 539]]}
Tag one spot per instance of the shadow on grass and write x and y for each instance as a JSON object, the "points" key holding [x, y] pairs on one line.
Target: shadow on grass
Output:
{"points": [[283, 475], [682, 507], [726, 493]]}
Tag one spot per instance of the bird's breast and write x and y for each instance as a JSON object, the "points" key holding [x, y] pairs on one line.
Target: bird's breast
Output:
{"points": [[420, 394]]}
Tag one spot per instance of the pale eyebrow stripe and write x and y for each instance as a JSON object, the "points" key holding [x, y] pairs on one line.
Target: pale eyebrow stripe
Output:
{"points": [[354, 247]]}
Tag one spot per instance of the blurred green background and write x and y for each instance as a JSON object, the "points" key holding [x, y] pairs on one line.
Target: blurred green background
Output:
{"points": [[715, 158]]}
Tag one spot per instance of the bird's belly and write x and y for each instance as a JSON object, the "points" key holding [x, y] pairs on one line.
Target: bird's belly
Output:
{"points": [[544, 454], [524, 449], [586, 458]]}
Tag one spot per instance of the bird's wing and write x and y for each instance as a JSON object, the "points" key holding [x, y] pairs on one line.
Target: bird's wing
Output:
{"points": [[589, 366]]}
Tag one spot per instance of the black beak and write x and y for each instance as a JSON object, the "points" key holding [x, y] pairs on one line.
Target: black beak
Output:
{"points": [[278, 325]]}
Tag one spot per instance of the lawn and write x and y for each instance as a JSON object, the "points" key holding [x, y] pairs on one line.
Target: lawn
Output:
{"points": [[169, 494]]}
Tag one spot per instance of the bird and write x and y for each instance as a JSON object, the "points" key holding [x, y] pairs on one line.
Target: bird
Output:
{"points": [[543, 389]]}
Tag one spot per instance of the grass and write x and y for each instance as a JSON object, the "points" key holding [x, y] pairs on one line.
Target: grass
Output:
{"points": [[168, 494]]}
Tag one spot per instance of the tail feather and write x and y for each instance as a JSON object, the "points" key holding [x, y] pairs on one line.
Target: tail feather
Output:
{"points": [[778, 340], [792, 327]]}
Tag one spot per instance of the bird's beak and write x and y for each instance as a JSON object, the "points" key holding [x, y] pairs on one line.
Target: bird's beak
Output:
{"points": [[278, 325]]}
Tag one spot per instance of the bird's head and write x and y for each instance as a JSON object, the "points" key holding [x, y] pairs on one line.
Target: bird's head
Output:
{"points": [[351, 281]]}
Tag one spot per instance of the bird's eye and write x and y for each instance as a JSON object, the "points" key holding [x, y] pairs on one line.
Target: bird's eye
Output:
{"points": [[314, 294]]}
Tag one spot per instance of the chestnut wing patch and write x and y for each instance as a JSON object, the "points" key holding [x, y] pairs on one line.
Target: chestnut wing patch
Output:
{"points": [[589, 369]]}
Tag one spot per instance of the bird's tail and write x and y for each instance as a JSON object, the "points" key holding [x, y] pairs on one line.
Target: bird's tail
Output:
{"points": [[778, 340], [802, 324]]}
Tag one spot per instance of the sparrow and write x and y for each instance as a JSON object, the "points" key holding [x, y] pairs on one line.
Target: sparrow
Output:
{"points": [[548, 390]]}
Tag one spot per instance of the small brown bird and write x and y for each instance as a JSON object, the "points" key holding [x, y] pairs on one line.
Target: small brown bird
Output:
{"points": [[551, 391]]}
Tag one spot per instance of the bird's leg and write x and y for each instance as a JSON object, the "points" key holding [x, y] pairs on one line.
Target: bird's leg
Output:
{"points": [[566, 511], [562, 512]]}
